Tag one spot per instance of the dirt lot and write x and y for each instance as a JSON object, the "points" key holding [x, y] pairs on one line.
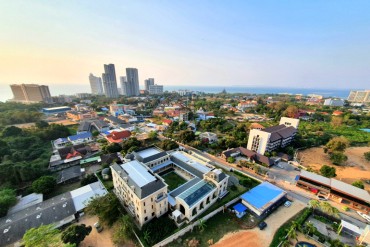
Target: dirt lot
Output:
{"points": [[355, 168], [95, 239], [256, 237]]}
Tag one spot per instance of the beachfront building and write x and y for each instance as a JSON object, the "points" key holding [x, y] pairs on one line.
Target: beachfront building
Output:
{"points": [[335, 190], [272, 138], [140, 184], [359, 96]]}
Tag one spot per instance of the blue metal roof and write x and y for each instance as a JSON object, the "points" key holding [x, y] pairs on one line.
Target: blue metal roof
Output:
{"points": [[80, 136], [262, 194], [104, 109], [240, 208]]}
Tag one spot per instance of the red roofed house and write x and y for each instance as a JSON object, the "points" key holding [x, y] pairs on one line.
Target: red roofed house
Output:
{"points": [[118, 136], [337, 113], [167, 122]]}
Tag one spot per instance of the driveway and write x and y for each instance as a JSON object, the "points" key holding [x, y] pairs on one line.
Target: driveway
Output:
{"points": [[256, 237]]}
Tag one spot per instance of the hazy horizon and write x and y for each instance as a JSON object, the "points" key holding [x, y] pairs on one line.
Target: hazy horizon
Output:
{"points": [[289, 44]]}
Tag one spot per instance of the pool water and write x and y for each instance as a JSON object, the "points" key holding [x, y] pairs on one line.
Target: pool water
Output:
{"points": [[304, 244], [366, 130]]}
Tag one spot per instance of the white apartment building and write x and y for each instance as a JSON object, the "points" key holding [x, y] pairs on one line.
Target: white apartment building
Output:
{"points": [[146, 195], [155, 89], [269, 139], [334, 102]]}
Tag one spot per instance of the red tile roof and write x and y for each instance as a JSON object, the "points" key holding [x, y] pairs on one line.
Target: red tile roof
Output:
{"points": [[118, 136]]}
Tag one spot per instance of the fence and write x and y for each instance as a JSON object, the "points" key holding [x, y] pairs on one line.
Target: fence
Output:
{"points": [[191, 227]]}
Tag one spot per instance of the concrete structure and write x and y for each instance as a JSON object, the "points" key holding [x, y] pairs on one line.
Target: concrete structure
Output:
{"points": [[132, 81], [96, 85], [263, 199], [146, 195], [251, 156], [364, 239], [31, 93], [156, 89], [334, 102], [269, 139], [90, 125], [123, 82], [110, 81], [81, 115], [359, 96], [148, 82], [211, 137], [116, 109], [338, 191]]}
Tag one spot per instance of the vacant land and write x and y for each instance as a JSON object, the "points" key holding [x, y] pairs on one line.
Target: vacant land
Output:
{"points": [[256, 237], [173, 180], [354, 169]]}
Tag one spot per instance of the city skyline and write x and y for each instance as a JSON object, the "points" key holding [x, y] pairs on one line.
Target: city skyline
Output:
{"points": [[311, 44]]}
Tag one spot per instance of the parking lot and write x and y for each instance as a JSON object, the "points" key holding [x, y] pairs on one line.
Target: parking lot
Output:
{"points": [[283, 172]]}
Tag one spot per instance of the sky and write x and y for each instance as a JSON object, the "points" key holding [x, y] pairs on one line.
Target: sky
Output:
{"points": [[306, 43]]}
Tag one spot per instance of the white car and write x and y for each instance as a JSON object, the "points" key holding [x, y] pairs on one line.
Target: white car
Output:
{"points": [[287, 204], [365, 216]]}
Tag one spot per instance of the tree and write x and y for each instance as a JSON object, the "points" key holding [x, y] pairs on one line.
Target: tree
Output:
{"points": [[112, 148], [367, 156], [44, 184], [359, 184], [42, 236], [338, 158], [153, 135], [291, 111], [231, 159], [7, 199], [329, 209], [75, 234], [338, 143], [314, 204], [12, 131], [91, 178], [336, 121], [123, 230], [328, 171], [186, 136], [202, 225], [310, 228], [106, 207], [41, 124], [95, 133]]}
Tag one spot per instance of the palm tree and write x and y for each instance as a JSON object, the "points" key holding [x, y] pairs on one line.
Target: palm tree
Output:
{"points": [[310, 228], [147, 236], [202, 225], [314, 204], [285, 243], [329, 209], [292, 233]]}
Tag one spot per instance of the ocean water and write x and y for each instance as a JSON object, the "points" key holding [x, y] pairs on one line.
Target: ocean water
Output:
{"points": [[6, 93]]}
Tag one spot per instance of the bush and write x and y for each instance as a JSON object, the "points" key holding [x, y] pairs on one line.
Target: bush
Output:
{"points": [[231, 159], [44, 184], [328, 171], [7, 199], [91, 178], [367, 156], [359, 184], [338, 158]]}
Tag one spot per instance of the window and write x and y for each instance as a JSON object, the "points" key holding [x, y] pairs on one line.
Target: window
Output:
{"points": [[146, 218], [153, 214], [144, 204], [144, 211]]}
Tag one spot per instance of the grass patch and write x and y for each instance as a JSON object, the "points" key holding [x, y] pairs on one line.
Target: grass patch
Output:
{"points": [[173, 180], [108, 184], [63, 188], [215, 228]]}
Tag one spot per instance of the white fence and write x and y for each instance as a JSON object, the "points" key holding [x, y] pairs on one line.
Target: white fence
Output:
{"points": [[191, 226]]}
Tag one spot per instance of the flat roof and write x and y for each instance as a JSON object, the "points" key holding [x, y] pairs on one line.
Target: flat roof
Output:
{"points": [[139, 174], [240, 207], [25, 202], [190, 160], [82, 195], [148, 152], [263, 196], [57, 108], [351, 227]]}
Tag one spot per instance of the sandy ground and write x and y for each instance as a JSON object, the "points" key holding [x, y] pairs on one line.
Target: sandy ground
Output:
{"points": [[256, 237], [96, 239], [65, 122], [355, 168]]}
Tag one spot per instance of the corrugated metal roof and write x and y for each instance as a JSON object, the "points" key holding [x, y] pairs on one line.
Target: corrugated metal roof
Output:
{"points": [[350, 189], [316, 177], [138, 173]]}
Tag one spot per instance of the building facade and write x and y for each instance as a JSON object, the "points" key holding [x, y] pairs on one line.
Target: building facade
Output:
{"points": [[148, 82], [334, 102], [110, 81], [156, 89], [132, 75], [96, 85], [31, 93], [272, 138], [359, 96]]}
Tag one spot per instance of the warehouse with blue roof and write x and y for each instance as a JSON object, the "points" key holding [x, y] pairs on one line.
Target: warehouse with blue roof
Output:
{"points": [[263, 199]]}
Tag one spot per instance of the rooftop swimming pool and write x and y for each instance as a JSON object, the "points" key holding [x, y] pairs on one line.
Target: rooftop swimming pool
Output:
{"points": [[304, 244]]}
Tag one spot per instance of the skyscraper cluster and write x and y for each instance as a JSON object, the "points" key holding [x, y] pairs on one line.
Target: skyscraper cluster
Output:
{"points": [[108, 86]]}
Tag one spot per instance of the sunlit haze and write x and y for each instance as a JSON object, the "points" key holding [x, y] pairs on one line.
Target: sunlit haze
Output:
{"points": [[314, 44]]}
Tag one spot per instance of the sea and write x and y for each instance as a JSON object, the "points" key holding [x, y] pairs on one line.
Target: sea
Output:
{"points": [[68, 89]]}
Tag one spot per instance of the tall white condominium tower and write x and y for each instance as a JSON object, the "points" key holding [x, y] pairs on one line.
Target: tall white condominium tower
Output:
{"points": [[123, 83], [133, 80], [109, 81], [148, 82], [31, 93], [359, 96], [96, 85]]}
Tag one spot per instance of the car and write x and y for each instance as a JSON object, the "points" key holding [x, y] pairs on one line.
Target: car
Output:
{"points": [[297, 169], [262, 225], [365, 216], [280, 166], [321, 198], [98, 227], [287, 204]]}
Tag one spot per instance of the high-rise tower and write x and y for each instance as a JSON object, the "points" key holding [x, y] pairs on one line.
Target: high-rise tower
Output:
{"points": [[110, 81]]}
